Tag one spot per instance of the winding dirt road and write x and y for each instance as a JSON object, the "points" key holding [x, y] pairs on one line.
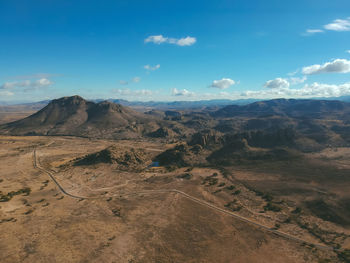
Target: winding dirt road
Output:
{"points": [[36, 164]]}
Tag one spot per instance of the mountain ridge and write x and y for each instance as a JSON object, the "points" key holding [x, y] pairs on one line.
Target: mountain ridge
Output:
{"points": [[79, 117]]}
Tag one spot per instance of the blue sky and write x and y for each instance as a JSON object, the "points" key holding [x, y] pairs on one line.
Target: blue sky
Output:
{"points": [[174, 50]]}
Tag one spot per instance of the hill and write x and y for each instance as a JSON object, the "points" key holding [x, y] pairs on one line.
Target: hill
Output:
{"points": [[286, 107], [78, 117], [123, 158]]}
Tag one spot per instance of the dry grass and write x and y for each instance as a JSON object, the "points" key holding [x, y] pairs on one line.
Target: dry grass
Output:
{"points": [[162, 227]]}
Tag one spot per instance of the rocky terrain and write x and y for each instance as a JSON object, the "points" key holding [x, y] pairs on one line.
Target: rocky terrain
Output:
{"points": [[124, 158], [263, 182]]}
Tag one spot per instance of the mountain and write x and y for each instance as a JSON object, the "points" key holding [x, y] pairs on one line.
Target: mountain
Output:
{"points": [[180, 105], [41, 103], [286, 107], [76, 116]]}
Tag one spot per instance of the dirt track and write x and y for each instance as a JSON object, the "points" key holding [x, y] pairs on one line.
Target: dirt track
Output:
{"points": [[36, 164]]}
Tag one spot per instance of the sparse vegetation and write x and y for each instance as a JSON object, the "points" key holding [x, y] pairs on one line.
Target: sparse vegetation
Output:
{"points": [[271, 207], [28, 212], [297, 210], [186, 176], [344, 255], [267, 197], [230, 188], [291, 193], [288, 220], [7, 197], [233, 206], [11, 219], [210, 180], [116, 212]]}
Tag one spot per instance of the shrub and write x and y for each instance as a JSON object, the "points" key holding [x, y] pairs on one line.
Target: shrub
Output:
{"points": [[236, 192], [288, 220], [267, 197], [231, 187], [272, 207], [186, 176], [8, 196], [297, 210], [210, 180]]}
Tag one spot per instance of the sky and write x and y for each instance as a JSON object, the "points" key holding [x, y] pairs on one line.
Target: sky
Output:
{"points": [[174, 50]]}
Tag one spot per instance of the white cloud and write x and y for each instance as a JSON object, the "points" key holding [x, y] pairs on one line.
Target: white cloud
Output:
{"points": [[133, 93], [325, 90], [224, 93], [156, 39], [336, 66], [277, 83], [159, 39], [149, 67], [42, 82], [348, 51], [313, 31], [296, 80], [307, 91], [184, 92], [37, 76], [293, 73], [27, 84], [136, 79], [223, 83], [6, 93], [186, 41], [339, 25]]}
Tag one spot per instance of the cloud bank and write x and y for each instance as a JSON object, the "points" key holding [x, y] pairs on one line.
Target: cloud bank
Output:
{"points": [[132, 93], [307, 91], [277, 83], [335, 66], [184, 92], [27, 84]]}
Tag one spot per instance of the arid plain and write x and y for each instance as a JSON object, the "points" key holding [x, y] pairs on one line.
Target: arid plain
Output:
{"points": [[119, 216], [177, 193]]}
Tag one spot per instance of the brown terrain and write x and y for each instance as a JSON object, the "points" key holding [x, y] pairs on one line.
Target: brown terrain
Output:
{"points": [[12, 113], [100, 182]]}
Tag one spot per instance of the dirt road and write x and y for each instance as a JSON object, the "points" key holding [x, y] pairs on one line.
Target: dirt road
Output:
{"points": [[36, 164]]}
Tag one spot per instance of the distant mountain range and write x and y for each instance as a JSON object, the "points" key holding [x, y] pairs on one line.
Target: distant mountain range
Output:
{"points": [[175, 105], [105, 119], [286, 107]]}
